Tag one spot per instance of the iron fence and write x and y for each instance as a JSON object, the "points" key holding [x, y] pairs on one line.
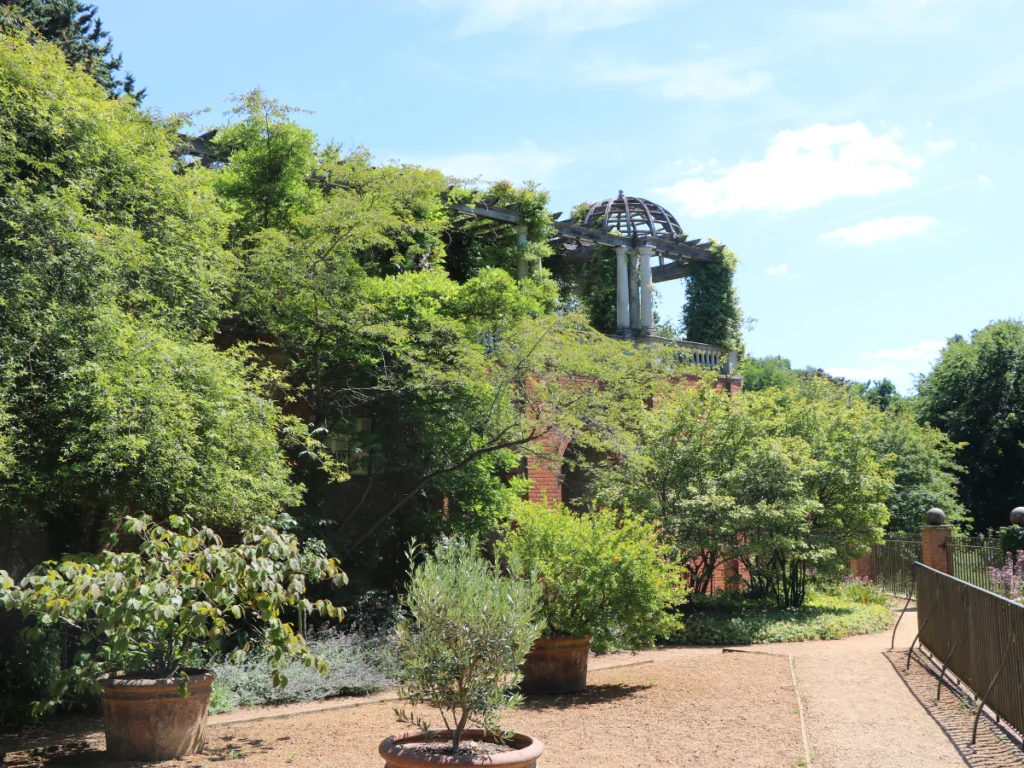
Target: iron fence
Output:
{"points": [[970, 560], [977, 635], [892, 563]]}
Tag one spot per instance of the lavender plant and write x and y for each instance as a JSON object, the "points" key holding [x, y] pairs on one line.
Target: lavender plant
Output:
{"points": [[1010, 578]]}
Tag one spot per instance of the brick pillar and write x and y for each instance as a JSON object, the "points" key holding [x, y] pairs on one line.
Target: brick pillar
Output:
{"points": [[936, 541], [863, 568]]}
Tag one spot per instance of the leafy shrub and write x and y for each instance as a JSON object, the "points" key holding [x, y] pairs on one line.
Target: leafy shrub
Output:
{"points": [[374, 612], [467, 634], [171, 605], [737, 619], [1011, 538], [356, 665], [602, 574]]}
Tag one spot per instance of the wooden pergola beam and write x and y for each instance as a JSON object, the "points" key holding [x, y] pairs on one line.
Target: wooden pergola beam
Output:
{"points": [[686, 250]]}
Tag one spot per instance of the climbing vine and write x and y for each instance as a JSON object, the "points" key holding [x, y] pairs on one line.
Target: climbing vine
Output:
{"points": [[712, 313], [484, 243]]}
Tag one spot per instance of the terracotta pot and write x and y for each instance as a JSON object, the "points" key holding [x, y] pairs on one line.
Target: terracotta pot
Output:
{"points": [[147, 719], [526, 753], [556, 665]]}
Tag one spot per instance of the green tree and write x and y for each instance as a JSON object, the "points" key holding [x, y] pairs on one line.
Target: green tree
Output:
{"points": [[787, 480], [113, 278], [76, 28], [975, 394], [771, 371], [924, 462]]}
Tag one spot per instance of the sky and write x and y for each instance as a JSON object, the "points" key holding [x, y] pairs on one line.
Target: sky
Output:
{"points": [[863, 158]]}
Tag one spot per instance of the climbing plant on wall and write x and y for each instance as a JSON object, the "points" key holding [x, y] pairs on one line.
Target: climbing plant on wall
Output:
{"points": [[712, 313]]}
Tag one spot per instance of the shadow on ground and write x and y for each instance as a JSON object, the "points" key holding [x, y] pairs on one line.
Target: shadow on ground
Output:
{"points": [[594, 694], [955, 716], [92, 754]]}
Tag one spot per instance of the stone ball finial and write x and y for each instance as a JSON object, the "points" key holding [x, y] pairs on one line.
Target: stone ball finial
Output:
{"points": [[1017, 516], [935, 516]]}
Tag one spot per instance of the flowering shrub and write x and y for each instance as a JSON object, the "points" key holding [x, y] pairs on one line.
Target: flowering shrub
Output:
{"points": [[1010, 578], [602, 574]]}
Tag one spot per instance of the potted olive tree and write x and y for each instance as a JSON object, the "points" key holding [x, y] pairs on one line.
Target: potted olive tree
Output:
{"points": [[465, 635], [149, 619], [607, 583]]}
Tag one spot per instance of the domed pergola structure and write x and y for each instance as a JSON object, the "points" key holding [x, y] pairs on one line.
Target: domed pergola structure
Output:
{"points": [[632, 216], [639, 230]]}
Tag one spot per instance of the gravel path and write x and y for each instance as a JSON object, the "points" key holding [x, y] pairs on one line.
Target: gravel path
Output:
{"points": [[859, 712], [674, 707]]}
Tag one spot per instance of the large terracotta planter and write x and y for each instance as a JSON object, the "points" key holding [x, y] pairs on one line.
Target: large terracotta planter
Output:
{"points": [[147, 719], [556, 665], [396, 755]]}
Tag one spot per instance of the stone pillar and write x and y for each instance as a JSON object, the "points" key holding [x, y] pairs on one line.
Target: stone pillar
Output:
{"points": [[634, 293], [522, 271], [621, 289], [936, 541], [646, 290]]}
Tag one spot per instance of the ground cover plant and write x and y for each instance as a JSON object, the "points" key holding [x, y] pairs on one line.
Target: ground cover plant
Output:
{"points": [[467, 633], [356, 665], [730, 618], [601, 573]]}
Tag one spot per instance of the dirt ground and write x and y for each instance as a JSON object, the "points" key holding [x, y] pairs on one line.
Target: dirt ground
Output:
{"points": [[704, 708], [673, 707]]}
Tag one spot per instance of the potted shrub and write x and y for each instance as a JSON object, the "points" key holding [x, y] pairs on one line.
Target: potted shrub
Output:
{"points": [[607, 583], [460, 645], [149, 619]]}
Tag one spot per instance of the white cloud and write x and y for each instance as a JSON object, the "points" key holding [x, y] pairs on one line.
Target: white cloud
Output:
{"points": [[942, 145], [898, 365], [710, 79], [525, 163], [868, 374], [566, 16], [801, 169], [923, 350], [778, 269], [879, 230]]}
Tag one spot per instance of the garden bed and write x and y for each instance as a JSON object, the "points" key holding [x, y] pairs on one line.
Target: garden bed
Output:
{"points": [[732, 619]]}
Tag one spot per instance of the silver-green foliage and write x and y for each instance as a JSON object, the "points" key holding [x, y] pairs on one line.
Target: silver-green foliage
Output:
{"points": [[357, 664], [467, 633]]}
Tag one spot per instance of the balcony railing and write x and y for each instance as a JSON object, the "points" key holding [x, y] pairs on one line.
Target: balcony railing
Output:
{"points": [[698, 354]]}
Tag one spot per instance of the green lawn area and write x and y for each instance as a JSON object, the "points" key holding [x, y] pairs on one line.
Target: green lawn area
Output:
{"points": [[732, 619]]}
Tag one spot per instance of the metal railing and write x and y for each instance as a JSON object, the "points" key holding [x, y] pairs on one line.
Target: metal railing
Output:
{"points": [[978, 636], [971, 557], [893, 563]]}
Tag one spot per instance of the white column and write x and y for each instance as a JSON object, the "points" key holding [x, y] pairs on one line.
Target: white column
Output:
{"points": [[634, 294], [646, 289], [521, 267], [621, 289]]}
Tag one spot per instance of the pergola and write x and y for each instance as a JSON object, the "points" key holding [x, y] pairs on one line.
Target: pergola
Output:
{"points": [[640, 232]]}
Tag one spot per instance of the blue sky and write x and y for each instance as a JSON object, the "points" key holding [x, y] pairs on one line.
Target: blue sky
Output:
{"points": [[863, 158]]}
